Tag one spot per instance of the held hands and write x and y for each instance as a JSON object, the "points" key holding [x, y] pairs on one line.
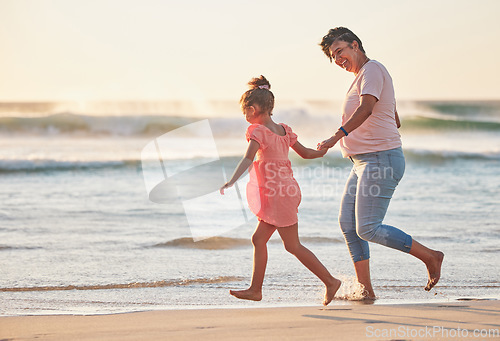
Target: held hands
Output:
{"points": [[327, 144], [321, 152]]}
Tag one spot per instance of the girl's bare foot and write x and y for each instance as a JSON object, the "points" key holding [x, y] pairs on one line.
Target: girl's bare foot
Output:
{"points": [[247, 294], [434, 270], [331, 290]]}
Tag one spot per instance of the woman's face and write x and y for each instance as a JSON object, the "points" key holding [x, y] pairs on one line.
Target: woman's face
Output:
{"points": [[344, 55]]}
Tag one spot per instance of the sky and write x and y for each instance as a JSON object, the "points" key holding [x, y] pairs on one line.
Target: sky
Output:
{"points": [[155, 50]]}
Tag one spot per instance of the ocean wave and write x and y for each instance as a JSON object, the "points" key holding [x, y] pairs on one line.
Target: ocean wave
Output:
{"points": [[309, 121], [214, 243], [491, 250], [133, 285], [438, 156], [74, 124], [44, 165], [223, 243], [479, 110], [427, 123], [9, 247], [321, 240], [421, 156], [350, 290]]}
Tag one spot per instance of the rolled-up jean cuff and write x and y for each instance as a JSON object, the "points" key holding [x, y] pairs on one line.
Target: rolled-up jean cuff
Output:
{"points": [[359, 258], [407, 244]]}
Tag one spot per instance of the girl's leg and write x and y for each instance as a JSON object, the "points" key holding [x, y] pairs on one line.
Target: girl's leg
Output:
{"points": [[260, 237], [358, 248], [378, 175], [292, 244], [432, 259]]}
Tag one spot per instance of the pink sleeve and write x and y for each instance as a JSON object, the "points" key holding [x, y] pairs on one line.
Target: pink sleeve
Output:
{"points": [[256, 133], [291, 135], [372, 81]]}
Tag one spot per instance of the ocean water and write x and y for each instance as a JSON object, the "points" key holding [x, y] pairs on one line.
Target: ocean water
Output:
{"points": [[84, 231]]}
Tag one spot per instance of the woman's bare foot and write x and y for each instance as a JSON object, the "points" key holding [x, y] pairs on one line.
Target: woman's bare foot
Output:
{"points": [[330, 291], [434, 270], [369, 295], [247, 294]]}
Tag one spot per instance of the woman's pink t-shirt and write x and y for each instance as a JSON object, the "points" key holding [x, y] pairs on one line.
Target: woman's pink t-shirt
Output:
{"points": [[379, 132]]}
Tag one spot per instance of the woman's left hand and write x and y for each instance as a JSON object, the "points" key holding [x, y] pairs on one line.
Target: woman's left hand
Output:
{"points": [[327, 144]]}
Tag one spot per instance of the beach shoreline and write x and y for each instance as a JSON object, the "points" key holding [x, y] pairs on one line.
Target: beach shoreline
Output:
{"points": [[238, 304], [471, 319]]}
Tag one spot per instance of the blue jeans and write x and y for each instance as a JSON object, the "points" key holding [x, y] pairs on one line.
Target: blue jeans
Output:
{"points": [[366, 197]]}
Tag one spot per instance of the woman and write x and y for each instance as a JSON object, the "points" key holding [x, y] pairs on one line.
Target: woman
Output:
{"points": [[369, 137]]}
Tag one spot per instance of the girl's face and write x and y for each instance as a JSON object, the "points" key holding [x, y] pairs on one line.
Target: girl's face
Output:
{"points": [[250, 113]]}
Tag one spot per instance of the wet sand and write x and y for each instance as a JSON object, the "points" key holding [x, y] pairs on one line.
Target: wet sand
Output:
{"points": [[475, 319]]}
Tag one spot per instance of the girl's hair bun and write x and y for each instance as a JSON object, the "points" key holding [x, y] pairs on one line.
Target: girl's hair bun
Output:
{"points": [[259, 83], [259, 94]]}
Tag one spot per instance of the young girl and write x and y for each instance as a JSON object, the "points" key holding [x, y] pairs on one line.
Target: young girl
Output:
{"points": [[272, 193]]}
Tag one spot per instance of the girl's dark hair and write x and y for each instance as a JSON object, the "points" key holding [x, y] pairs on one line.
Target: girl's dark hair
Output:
{"points": [[260, 94], [342, 34]]}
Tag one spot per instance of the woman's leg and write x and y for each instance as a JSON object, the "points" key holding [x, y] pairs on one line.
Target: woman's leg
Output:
{"points": [[290, 237], [378, 175], [432, 259], [358, 248], [262, 233], [362, 269]]}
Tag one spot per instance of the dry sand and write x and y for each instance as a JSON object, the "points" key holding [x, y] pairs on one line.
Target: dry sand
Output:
{"points": [[474, 320]]}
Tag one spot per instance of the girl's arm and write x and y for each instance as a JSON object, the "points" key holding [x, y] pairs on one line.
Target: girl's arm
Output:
{"points": [[307, 153], [245, 162], [360, 115]]}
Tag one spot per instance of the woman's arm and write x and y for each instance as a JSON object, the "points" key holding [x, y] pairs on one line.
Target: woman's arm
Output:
{"points": [[243, 165], [360, 115], [398, 122], [307, 153]]}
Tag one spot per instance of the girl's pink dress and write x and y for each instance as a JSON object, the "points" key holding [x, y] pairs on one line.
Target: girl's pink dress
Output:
{"points": [[273, 194]]}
